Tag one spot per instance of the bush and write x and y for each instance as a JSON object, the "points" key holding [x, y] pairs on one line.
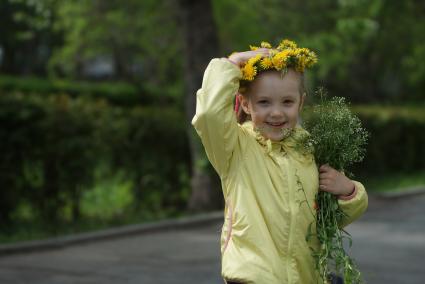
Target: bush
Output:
{"points": [[397, 139], [119, 93], [50, 151], [52, 145], [151, 144]]}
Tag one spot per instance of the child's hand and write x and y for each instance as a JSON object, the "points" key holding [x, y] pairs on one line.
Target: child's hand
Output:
{"points": [[241, 57], [334, 182]]}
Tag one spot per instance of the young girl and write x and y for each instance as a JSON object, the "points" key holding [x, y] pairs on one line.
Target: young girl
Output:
{"points": [[265, 178]]}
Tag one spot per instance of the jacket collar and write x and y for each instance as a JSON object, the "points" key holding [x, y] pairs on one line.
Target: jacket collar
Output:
{"points": [[291, 144]]}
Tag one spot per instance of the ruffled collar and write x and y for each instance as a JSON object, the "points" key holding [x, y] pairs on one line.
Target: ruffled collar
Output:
{"points": [[291, 144]]}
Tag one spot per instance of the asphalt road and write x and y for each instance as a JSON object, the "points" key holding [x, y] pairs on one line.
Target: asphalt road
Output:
{"points": [[389, 247]]}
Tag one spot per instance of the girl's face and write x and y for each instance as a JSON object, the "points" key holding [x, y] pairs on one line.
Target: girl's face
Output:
{"points": [[274, 102]]}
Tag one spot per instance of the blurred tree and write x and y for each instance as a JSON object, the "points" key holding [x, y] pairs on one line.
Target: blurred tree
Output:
{"points": [[354, 39], [369, 50], [26, 37], [201, 44], [139, 37]]}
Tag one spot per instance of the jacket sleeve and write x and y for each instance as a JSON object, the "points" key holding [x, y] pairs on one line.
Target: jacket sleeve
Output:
{"points": [[355, 206], [215, 120]]}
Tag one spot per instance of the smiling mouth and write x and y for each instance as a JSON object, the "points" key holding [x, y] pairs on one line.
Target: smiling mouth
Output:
{"points": [[276, 125]]}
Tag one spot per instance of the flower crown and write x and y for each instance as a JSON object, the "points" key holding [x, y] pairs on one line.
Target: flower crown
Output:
{"points": [[285, 55]]}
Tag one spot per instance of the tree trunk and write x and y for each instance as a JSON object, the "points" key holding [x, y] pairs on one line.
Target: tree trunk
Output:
{"points": [[49, 200], [201, 45], [75, 203], [8, 64]]}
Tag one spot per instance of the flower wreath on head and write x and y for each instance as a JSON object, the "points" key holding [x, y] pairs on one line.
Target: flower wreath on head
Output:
{"points": [[282, 57], [286, 55]]}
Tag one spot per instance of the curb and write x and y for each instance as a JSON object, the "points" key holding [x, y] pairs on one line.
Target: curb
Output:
{"points": [[158, 226]]}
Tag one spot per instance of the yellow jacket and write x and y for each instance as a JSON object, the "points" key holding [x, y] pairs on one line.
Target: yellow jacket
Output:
{"points": [[265, 185]]}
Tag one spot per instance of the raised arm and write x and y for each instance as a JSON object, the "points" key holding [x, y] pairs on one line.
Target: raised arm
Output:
{"points": [[215, 121]]}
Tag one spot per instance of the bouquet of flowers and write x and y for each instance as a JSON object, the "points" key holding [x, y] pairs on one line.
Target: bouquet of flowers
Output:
{"points": [[337, 139]]}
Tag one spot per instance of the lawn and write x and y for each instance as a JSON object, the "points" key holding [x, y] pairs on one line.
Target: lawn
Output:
{"points": [[394, 182]]}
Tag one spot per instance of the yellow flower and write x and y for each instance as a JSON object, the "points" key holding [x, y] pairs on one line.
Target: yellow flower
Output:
{"points": [[273, 52], [311, 59], [284, 44], [265, 44], [293, 52], [266, 63], [285, 55], [303, 51], [279, 60], [304, 59], [254, 59], [301, 63], [248, 72], [278, 63]]}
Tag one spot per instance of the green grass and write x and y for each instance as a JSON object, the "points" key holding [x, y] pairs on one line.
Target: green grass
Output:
{"points": [[107, 204], [394, 181], [32, 230], [385, 112]]}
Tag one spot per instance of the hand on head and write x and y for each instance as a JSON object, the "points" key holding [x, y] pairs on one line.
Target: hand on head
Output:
{"points": [[241, 57], [334, 182]]}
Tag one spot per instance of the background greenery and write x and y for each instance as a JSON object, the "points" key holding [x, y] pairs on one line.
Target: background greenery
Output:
{"points": [[83, 150]]}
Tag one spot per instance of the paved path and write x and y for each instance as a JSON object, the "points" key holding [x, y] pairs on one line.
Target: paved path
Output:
{"points": [[389, 241], [389, 245]]}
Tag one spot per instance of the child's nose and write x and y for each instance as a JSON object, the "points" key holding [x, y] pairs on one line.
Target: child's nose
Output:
{"points": [[277, 111]]}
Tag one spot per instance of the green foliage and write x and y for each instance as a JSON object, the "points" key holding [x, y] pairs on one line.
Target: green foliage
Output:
{"points": [[151, 144], [396, 146], [394, 181], [41, 138], [355, 58], [24, 27], [119, 93], [337, 139], [109, 197], [398, 139], [122, 32], [351, 38], [53, 144]]}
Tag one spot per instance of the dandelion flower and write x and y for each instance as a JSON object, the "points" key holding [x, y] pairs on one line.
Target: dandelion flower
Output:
{"points": [[284, 44], [279, 60], [254, 59], [266, 63], [265, 44], [248, 72], [285, 55], [301, 63]]}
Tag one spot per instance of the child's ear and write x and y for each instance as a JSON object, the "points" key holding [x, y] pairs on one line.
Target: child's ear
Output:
{"points": [[244, 104]]}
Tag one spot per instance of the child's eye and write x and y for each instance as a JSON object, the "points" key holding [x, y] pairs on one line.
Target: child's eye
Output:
{"points": [[263, 102], [288, 102]]}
